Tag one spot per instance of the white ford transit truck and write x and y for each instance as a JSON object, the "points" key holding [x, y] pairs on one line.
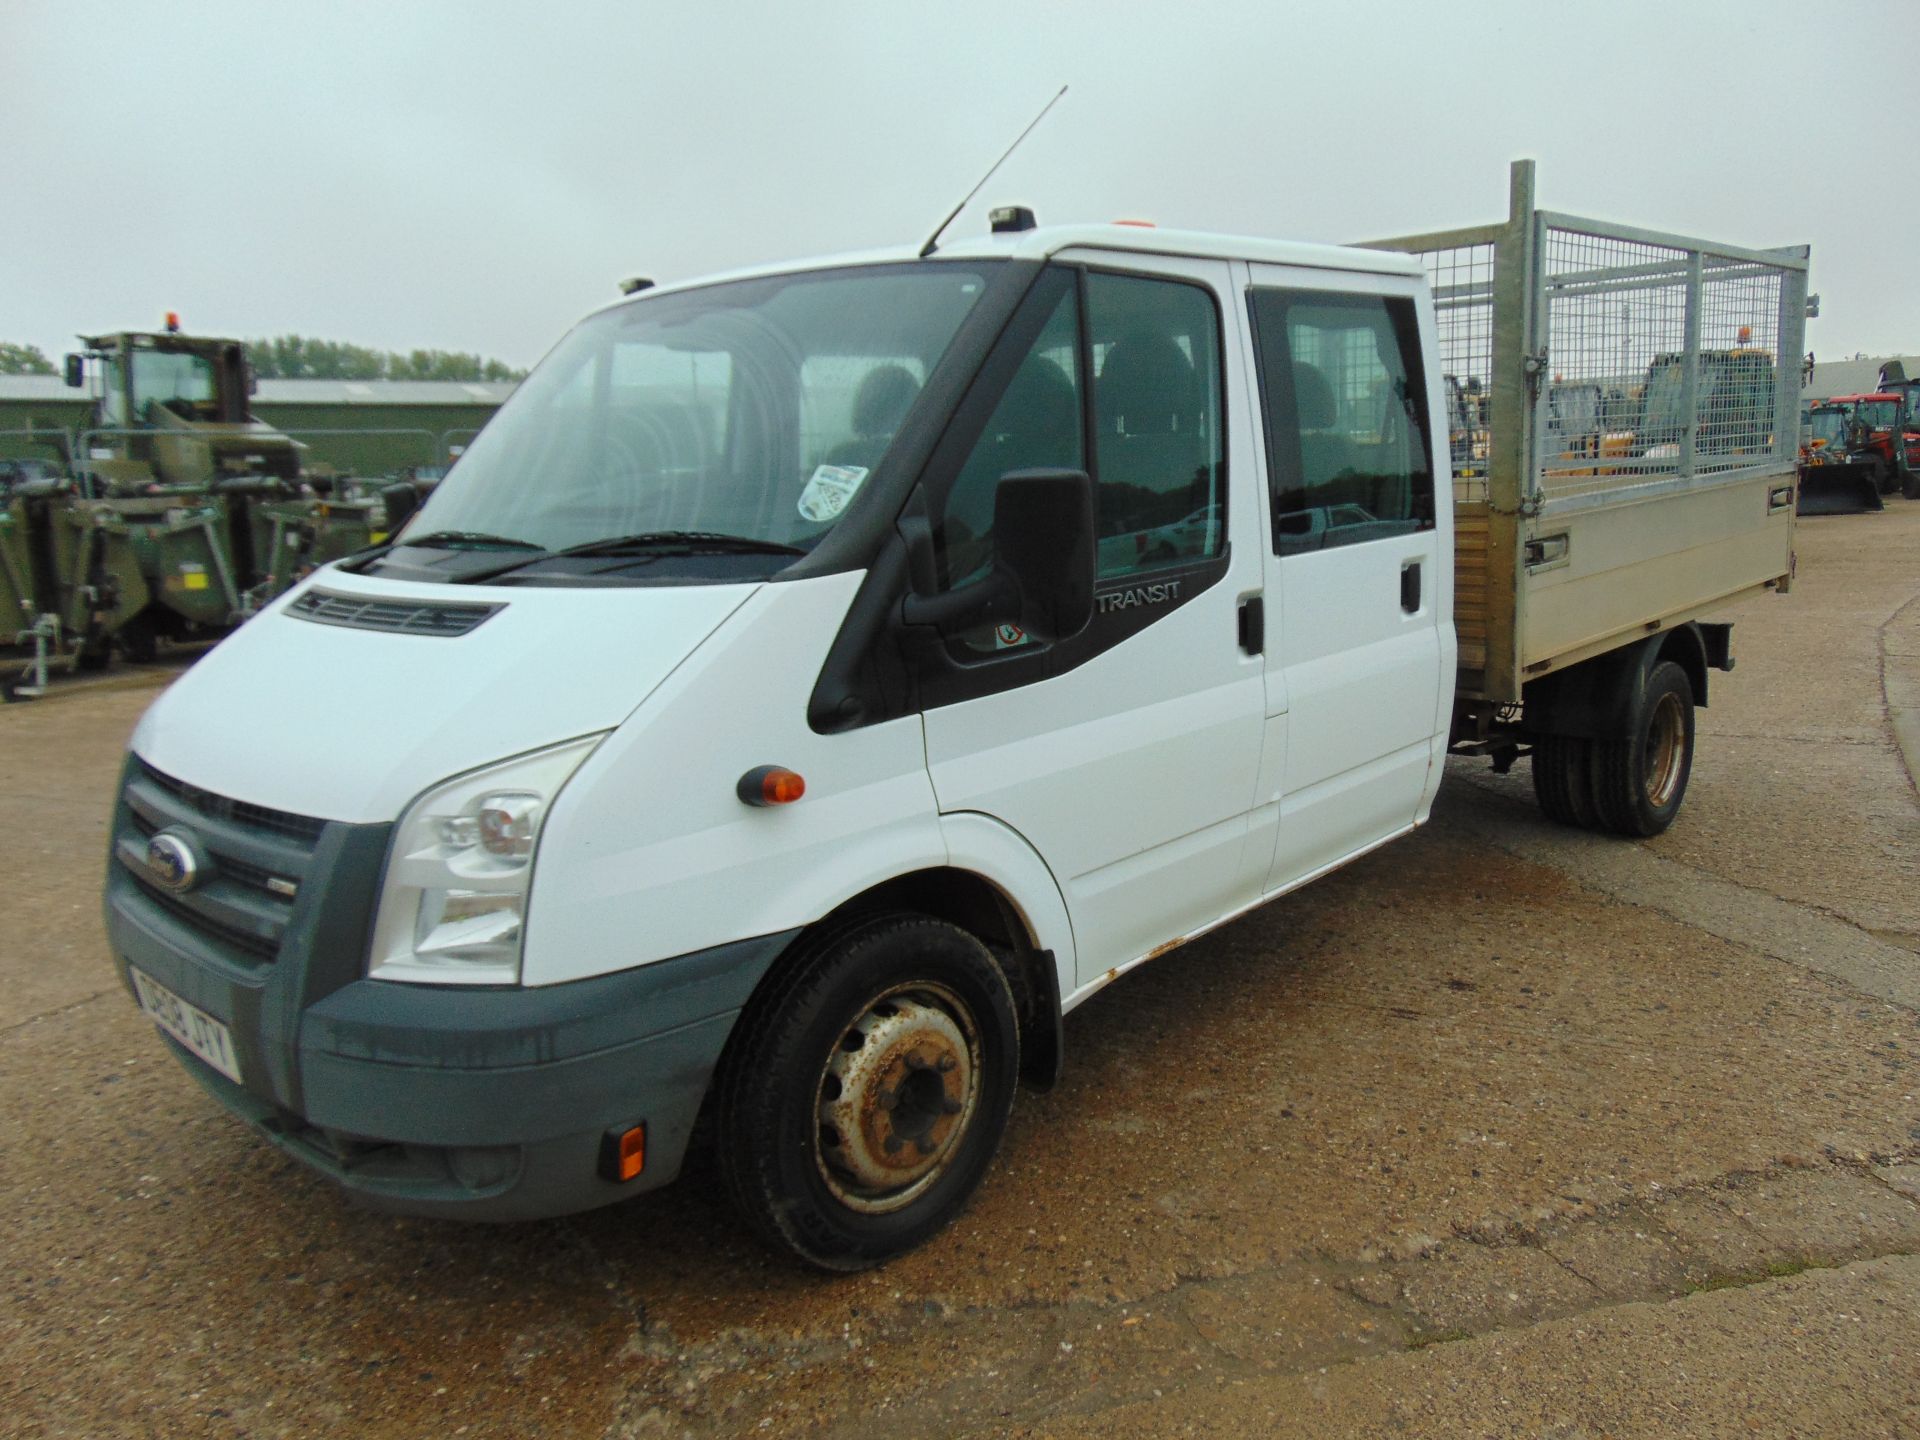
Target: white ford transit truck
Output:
{"points": [[816, 681]]}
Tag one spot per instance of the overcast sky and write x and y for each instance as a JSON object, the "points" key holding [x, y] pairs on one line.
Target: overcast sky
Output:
{"points": [[475, 175]]}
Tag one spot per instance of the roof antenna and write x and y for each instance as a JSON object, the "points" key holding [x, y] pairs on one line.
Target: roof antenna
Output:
{"points": [[934, 239]]}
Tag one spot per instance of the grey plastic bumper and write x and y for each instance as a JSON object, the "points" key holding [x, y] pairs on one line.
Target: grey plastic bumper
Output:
{"points": [[487, 1104], [492, 1105]]}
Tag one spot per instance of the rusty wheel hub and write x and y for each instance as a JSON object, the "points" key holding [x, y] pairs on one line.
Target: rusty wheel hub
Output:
{"points": [[896, 1097]]}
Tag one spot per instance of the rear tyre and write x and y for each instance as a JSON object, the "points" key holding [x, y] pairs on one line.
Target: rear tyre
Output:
{"points": [[1910, 485], [1639, 781], [1562, 780], [866, 1089]]}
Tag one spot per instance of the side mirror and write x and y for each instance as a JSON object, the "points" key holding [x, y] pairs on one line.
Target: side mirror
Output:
{"points": [[1043, 539], [1043, 563], [76, 370], [402, 499]]}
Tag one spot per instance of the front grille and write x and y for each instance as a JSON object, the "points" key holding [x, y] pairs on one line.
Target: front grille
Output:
{"points": [[237, 906], [219, 807], [258, 947], [394, 617]]}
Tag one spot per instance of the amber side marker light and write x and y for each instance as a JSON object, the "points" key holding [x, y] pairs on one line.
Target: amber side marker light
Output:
{"points": [[623, 1153], [770, 785]]}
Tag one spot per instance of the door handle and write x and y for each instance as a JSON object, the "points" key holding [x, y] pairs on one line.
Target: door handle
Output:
{"points": [[1410, 586], [1253, 625]]}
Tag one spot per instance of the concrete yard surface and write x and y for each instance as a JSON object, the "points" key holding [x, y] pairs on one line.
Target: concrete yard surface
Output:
{"points": [[1504, 1130]]}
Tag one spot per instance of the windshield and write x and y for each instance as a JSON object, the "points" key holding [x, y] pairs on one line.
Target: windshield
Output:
{"points": [[173, 379], [754, 408], [1880, 414], [1662, 417], [1827, 425]]}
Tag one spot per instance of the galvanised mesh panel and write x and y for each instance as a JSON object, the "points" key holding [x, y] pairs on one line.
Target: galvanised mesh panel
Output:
{"points": [[1624, 406], [1462, 282]]}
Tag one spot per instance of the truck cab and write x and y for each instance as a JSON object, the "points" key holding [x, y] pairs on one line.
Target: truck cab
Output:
{"points": [[811, 685], [172, 410]]}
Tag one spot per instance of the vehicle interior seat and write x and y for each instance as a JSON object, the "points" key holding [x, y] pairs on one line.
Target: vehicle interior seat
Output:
{"points": [[1148, 414], [880, 403]]}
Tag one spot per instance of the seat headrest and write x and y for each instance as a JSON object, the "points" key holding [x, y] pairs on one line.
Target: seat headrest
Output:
{"points": [[1147, 387], [1313, 398], [883, 399]]}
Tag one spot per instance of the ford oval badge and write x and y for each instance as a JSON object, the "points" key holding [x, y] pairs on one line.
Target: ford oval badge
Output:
{"points": [[172, 862]]}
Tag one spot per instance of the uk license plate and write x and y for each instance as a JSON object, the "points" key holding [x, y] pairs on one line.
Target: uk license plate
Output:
{"points": [[189, 1024]]}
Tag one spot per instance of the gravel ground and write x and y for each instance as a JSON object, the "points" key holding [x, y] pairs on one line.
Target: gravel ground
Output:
{"points": [[1503, 1130]]}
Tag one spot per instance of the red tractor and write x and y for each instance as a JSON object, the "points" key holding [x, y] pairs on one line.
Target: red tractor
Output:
{"points": [[1888, 437], [1894, 381]]}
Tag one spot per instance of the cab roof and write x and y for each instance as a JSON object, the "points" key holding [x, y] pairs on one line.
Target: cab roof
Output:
{"points": [[1045, 242]]}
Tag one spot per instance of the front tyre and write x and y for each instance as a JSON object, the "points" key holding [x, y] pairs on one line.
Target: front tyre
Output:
{"points": [[866, 1089], [1639, 781]]}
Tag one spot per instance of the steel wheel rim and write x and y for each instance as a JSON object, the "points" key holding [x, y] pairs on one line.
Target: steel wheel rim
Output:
{"points": [[1666, 747], [896, 1097]]}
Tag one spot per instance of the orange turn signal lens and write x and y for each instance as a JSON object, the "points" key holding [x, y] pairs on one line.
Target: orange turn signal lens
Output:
{"points": [[623, 1153], [770, 785]]}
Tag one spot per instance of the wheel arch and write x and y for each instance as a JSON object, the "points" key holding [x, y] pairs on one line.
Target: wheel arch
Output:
{"points": [[1595, 699], [1025, 933]]}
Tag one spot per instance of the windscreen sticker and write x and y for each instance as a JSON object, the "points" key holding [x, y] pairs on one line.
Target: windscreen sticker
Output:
{"points": [[828, 492]]}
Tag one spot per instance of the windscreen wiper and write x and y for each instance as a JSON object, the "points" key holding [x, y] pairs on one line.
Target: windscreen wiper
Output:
{"points": [[649, 542], [684, 541], [460, 539]]}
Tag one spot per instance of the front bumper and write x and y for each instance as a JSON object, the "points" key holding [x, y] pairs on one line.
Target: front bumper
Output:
{"points": [[486, 1104]]}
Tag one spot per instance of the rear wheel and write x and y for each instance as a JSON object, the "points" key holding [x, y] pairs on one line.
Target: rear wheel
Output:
{"points": [[1910, 484], [1640, 780], [1562, 779], [866, 1090]]}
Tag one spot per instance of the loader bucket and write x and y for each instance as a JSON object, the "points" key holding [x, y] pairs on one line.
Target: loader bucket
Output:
{"points": [[1838, 490]]}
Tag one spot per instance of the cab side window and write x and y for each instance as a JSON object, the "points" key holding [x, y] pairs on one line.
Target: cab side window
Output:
{"points": [[1038, 424], [1161, 464], [1349, 455], [1158, 459]]}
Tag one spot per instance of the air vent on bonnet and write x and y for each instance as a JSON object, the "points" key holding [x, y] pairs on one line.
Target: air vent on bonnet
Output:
{"points": [[393, 617]]}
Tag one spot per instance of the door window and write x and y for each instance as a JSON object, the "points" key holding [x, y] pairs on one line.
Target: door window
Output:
{"points": [[1348, 452], [1158, 459], [1161, 467]]}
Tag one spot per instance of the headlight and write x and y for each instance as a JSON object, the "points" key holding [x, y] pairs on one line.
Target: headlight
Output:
{"points": [[1669, 451], [455, 896]]}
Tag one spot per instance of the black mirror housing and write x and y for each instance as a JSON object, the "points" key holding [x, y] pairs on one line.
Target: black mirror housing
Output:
{"points": [[76, 370], [1043, 541], [1043, 562]]}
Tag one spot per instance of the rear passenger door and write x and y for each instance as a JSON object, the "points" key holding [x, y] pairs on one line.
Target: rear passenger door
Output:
{"points": [[1356, 613]]}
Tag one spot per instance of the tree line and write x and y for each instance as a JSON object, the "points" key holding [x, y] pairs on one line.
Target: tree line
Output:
{"points": [[297, 357]]}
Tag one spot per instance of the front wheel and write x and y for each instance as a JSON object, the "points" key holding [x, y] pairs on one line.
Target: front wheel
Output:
{"points": [[1640, 780], [866, 1090]]}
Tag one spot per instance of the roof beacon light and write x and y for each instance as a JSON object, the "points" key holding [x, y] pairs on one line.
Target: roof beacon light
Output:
{"points": [[173, 322], [1011, 219], [635, 285], [1138, 224]]}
